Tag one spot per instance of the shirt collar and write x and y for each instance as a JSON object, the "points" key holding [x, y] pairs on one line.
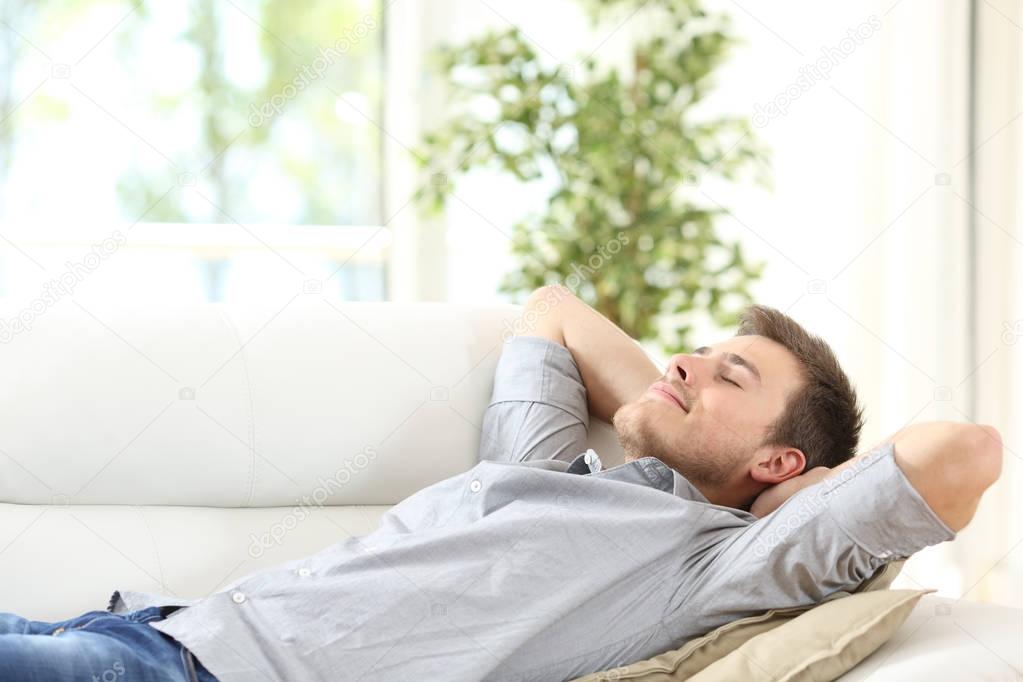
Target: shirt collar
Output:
{"points": [[660, 475], [586, 463], [683, 488]]}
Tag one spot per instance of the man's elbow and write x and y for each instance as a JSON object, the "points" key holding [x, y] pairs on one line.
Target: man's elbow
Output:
{"points": [[983, 454], [950, 464], [544, 313], [971, 466], [549, 294]]}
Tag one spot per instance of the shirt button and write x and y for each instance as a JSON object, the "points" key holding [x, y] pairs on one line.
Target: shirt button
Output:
{"points": [[475, 485], [238, 597], [304, 572]]}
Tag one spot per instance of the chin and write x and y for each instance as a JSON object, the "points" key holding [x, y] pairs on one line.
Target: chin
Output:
{"points": [[635, 425], [650, 428]]}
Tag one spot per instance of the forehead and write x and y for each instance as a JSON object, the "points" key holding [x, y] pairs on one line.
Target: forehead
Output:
{"points": [[777, 366]]}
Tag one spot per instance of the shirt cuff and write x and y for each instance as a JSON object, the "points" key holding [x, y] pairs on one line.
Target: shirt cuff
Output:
{"points": [[534, 369], [875, 504]]}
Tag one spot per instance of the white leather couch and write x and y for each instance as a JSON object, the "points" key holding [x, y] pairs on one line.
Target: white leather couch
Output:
{"points": [[173, 450]]}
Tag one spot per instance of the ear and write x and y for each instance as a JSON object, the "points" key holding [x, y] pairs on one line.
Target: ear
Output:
{"points": [[776, 463]]}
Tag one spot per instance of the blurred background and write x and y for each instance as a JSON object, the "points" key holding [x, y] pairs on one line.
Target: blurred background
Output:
{"points": [[851, 164]]}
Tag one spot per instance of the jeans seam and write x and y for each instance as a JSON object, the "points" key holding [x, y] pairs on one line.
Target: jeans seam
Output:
{"points": [[86, 624], [189, 663]]}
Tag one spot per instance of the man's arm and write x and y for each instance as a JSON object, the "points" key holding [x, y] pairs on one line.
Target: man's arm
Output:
{"points": [[949, 464], [834, 535], [614, 369]]}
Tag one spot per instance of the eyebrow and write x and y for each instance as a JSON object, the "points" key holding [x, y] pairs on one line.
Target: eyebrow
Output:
{"points": [[734, 359]]}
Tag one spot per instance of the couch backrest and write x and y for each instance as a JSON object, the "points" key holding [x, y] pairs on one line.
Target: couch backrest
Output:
{"points": [[244, 407], [150, 447]]}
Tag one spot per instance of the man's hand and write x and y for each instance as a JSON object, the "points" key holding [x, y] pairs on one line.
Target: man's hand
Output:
{"points": [[773, 497]]}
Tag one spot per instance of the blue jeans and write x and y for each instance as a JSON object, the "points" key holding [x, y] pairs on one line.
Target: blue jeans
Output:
{"points": [[97, 646]]}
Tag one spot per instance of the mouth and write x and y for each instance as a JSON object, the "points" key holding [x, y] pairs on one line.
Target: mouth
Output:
{"points": [[666, 392]]}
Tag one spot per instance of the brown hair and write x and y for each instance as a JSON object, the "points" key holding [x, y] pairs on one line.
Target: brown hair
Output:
{"points": [[821, 418]]}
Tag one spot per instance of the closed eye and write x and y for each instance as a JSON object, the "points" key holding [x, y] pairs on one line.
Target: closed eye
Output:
{"points": [[730, 381]]}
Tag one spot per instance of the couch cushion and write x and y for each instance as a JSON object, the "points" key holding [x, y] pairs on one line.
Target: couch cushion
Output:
{"points": [[949, 639], [59, 561]]}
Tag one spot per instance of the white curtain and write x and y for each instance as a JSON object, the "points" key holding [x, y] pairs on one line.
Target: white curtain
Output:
{"points": [[997, 566]]}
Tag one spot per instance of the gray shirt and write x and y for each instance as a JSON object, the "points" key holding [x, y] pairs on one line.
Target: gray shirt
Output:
{"points": [[540, 564]]}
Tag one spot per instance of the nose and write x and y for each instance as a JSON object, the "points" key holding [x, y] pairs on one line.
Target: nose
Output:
{"points": [[680, 368]]}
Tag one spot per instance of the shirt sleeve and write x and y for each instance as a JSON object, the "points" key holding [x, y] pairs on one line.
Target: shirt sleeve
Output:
{"points": [[827, 538], [538, 407]]}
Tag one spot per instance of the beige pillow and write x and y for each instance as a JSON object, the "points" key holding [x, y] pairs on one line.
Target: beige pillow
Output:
{"points": [[882, 580], [822, 644], [699, 653]]}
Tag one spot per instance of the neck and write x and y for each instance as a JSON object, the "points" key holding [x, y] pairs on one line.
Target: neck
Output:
{"points": [[726, 498], [736, 493]]}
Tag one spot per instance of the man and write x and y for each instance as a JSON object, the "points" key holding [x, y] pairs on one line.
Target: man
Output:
{"points": [[739, 493]]}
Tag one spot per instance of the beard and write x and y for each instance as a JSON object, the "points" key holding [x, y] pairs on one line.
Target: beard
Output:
{"points": [[649, 428]]}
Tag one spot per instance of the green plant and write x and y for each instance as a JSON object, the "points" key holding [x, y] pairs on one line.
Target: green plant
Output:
{"points": [[627, 154]]}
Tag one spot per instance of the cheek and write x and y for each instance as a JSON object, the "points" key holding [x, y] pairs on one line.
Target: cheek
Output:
{"points": [[730, 418], [725, 408]]}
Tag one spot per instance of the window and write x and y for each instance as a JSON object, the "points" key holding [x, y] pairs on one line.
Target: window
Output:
{"points": [[229, 144]]}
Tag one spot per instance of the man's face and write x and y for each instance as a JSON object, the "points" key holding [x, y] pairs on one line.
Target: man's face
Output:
{"points": [[709, 414]]}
